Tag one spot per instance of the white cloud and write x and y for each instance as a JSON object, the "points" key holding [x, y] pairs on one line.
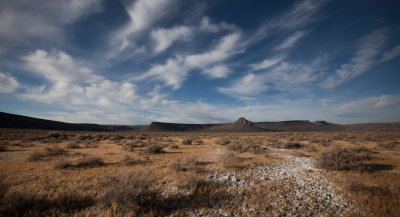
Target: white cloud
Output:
{"points": [[248, 85], [226, 48], [218, 71], [288, 75], [265, 64], [74, 84], [165, 37], [59, 67], [391, 54], [207, 26], [21, 20], [370, 47], [283, 76], [174, 72], [302, 14], [8, 83], [291, 40], [143, 14], [368, 106]]}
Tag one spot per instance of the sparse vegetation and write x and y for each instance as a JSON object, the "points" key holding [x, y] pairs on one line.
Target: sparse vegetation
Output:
{"points": [[154, 149], [218, 174], [344, 159]]}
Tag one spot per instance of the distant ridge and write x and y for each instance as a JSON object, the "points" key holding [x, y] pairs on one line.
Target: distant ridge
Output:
{"points": [[14, 121]]}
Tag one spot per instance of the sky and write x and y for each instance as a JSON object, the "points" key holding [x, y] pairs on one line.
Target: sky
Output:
{"points": [[204, 61]]}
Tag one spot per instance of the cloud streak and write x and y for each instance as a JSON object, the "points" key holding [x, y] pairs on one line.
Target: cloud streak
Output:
{"points": [[8, 83]]}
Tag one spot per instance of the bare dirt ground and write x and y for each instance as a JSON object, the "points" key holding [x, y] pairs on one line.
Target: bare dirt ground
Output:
{"points": [[47, 173]]}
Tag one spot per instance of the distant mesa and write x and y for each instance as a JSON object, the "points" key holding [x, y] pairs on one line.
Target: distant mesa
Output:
{"points": [[14, 121], [243, 121]]}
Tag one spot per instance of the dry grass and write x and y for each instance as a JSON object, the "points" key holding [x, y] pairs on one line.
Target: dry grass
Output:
{"points": [[344, 159], [123, 174]]}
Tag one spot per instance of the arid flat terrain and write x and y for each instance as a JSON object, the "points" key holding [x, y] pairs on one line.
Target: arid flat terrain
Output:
{"points": [[61, 173]]}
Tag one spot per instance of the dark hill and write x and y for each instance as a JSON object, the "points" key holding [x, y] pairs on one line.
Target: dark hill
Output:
{"points": [[300, 125], [13, 121], [241, 125], [8, 120]]}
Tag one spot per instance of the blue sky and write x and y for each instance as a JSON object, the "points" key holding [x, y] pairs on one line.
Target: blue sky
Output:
{"points": [[133, 62]]}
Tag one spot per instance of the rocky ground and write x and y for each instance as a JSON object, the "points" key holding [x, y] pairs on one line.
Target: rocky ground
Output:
{"points": [[294, 188]]}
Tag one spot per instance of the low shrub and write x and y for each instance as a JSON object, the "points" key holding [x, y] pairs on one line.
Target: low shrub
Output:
{"points": [[343, 159], [35, 156], [3, 148], [222, 141], [174, 146], [130, 190], [154, 149], [90, 162], [388, 145], [52, 152], [73, 145], [128, 160], [63, 164], [357, 186], [176, 165], [187, 141], [291, 145]]}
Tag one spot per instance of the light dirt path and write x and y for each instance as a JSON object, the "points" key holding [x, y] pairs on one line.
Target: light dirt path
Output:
{"points": [[297, 189]]}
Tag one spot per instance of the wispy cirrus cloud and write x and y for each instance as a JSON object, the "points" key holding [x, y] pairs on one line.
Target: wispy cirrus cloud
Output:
{"points": [[143, 14], [42, 19], [165, 37], [370, 47], [299, 16], [218, 71], [267, 63], [174, 72], [291, 40], [8, 83]]}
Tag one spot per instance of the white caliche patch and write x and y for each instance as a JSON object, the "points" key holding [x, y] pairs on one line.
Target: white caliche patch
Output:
{"points": [[44, 19], [71, 83], [8, 83], [165, 37]]}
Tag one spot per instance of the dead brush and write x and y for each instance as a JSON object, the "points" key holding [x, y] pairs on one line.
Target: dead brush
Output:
{"points": [[90, 162], [360, 187], [128, 160], [176, 165], [230, 160], [130, 190], [154, 149], [73, 145], [343, 159], [222, 141], [63, 164], [388, 145], [187, 141], [47, 153]]}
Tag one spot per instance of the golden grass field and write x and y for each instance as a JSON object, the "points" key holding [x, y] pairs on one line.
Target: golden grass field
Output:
{"points": [[47, 173]]}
